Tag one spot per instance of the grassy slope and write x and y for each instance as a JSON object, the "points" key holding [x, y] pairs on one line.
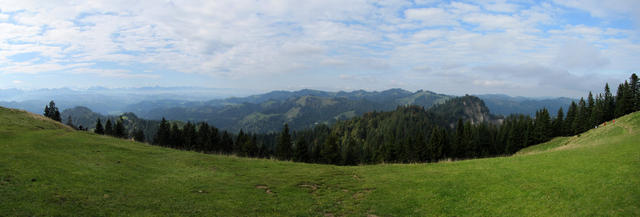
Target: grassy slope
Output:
{"points": [[47, 169]]}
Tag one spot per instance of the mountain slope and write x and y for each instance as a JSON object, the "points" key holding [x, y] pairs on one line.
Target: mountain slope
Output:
{"points": [[47, 169]]}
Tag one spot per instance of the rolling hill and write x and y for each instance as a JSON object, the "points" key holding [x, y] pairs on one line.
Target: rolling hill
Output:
{"points": [[48, 169]]}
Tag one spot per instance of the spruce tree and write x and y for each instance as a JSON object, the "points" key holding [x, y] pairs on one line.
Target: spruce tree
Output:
{"points": [[284, 144], [572, 114], [302, 150], [52, 112], [609, 103], [189, 136], [176, 139], [108, 128], [558, 123], [138, 135], [226, 143], [118, 130], [623, 97], [99, 128], [203, 142], [330, 151], [634, 86], [163, 134]]}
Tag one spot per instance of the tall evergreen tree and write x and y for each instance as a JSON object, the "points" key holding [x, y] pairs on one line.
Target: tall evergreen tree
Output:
{"points": [[176, 139], [624, 100], [302, 151], [52, 112], [542, 126], [163, 134], [330, 151], [284, 144], [634, 86], [609, 103], [203, 142], [138, 135], [108, 128], [226, 143], [572, 114], [189, 136], [118, 130], [99, 128], [581, 120], [558, 123]]}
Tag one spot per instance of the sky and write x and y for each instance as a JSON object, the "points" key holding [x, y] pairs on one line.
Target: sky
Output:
{"points": [[519, 48]]}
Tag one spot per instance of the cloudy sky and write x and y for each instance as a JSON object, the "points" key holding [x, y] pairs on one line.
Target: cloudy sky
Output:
{"points": [[542, 48]]}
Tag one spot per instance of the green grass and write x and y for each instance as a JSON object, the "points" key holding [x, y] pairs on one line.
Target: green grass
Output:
{"points": [[48, 169], [554, 143]]}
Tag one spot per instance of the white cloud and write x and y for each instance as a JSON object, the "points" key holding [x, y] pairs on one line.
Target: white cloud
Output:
{"points": [[430, 16], [420, 41]]}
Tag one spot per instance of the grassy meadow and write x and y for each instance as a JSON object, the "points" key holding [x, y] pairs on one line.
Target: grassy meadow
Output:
{"points": [[47, 169]]}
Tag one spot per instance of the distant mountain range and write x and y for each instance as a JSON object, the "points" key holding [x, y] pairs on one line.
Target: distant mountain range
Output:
{"points": [[302, 109]]}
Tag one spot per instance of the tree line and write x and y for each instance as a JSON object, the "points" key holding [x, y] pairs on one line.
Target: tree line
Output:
{"points": [[408, 134]]}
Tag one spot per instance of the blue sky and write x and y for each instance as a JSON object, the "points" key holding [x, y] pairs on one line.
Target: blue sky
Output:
{"points": [[526, 48]]}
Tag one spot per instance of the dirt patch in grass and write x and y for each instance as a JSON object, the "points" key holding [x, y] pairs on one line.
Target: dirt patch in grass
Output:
{"points": [[266, 189]]}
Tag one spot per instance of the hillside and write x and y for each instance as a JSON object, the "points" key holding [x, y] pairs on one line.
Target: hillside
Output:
{"points": [[48, 169], [256, 113]]}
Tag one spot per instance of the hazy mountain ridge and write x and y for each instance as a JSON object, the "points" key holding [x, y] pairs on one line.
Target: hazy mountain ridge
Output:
{"points": [[262, 112]]}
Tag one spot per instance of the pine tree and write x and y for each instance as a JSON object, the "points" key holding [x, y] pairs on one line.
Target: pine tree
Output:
{"points": [[558, 123], [624, 103], [118, 130], [572, 114], [52, 112], [590, 106], [580, 121], [99, 129], [47, 111], [330, 151], [609, 103], [108, 128], [163, 134], [189, 136], [542, 127], [138, 135], [203, 142], [215, 140], [226, 143], [241, 145], [634, 86], [302, 151], [284, 144], [176, 139]]}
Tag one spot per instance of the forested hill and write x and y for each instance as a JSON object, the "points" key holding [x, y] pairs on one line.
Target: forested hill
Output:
{"points": [[300, 109], [83, 117]]}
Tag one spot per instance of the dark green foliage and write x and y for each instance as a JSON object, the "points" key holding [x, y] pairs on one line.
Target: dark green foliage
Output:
{"points": [[189, 136], [284, 144], [163, 135], [543, 128], [226, 143], [138, 135], [118, 130], [461, 128], [51, 111], [99, 128], [330, 151], [558, 124], [108, 128], [302, 150], [634, 89]]}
